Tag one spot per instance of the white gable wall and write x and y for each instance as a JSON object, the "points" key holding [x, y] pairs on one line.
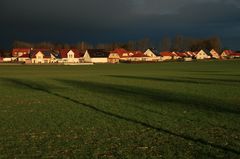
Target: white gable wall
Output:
{"points": [[71, 57], [202, 55], [87, 57], [214, 54], [149, 53]]}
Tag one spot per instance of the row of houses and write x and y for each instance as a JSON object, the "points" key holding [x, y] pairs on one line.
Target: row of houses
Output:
{"points": [[37, 56]]}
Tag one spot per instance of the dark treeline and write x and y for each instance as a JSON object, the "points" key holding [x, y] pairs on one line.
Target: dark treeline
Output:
{"points": [[178, 43]]}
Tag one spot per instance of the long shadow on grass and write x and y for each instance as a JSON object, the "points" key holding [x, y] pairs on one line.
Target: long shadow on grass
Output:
{"points": [[162, 96], [215, 80], [158, 96], [36, 87], [225, 75], [160, 79], [185, 80], [206, 71]]}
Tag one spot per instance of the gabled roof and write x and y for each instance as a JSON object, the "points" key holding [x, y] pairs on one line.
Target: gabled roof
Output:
{"points": [[231, 53], [155, 51], [214, 51], [119, 51], [21, 50], [138, 54], [191, 53], [98, 53], [46, 54], [228, 52], [206, 51], [235, 54], [123, 55], [181, 54], [15, 51], [25, 56], [166, 53], [63, 53]]}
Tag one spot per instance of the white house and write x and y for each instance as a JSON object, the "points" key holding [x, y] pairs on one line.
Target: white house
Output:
{"points": [[70, 56], [202, 55], [167, 56], [42, 57], [138, 56], [113, 58], [118, 54], [230, 54], [152, 55], [96, 56], [214, 54]]}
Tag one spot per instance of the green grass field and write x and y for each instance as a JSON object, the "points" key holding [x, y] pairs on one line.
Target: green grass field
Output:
{"points": [[165, 110]]}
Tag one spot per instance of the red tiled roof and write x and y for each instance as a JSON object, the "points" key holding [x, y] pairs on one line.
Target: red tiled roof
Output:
{"points": [[138, 54], [231, 53], [119, 51], [21, 50], [64, 52], [191, 53], [166, 54], [15, 51], [24, 56], [181, 54], [228, 52], [235, 54], [121, 55]]}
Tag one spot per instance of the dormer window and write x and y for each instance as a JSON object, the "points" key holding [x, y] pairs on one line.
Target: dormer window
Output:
{"points": [[70, 56]]}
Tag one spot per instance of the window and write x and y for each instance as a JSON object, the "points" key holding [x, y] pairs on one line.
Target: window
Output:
{"points": [[70, 56]]}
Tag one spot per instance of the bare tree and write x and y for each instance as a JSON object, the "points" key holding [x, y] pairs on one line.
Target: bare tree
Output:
{"points": [[22, 44], [165, 44], [215, 43], [178, 43]]}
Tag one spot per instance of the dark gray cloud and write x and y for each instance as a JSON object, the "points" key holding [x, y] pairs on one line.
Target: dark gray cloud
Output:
{"points": [[115, 20]]}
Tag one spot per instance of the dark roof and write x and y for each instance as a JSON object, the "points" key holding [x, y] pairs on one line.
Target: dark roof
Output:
{"points": [[155, 51], [98, 53], [206, 51], [46, 54]]}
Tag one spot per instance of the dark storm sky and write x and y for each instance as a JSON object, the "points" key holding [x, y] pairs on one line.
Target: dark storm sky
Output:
{"points": [[118, 20]]}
